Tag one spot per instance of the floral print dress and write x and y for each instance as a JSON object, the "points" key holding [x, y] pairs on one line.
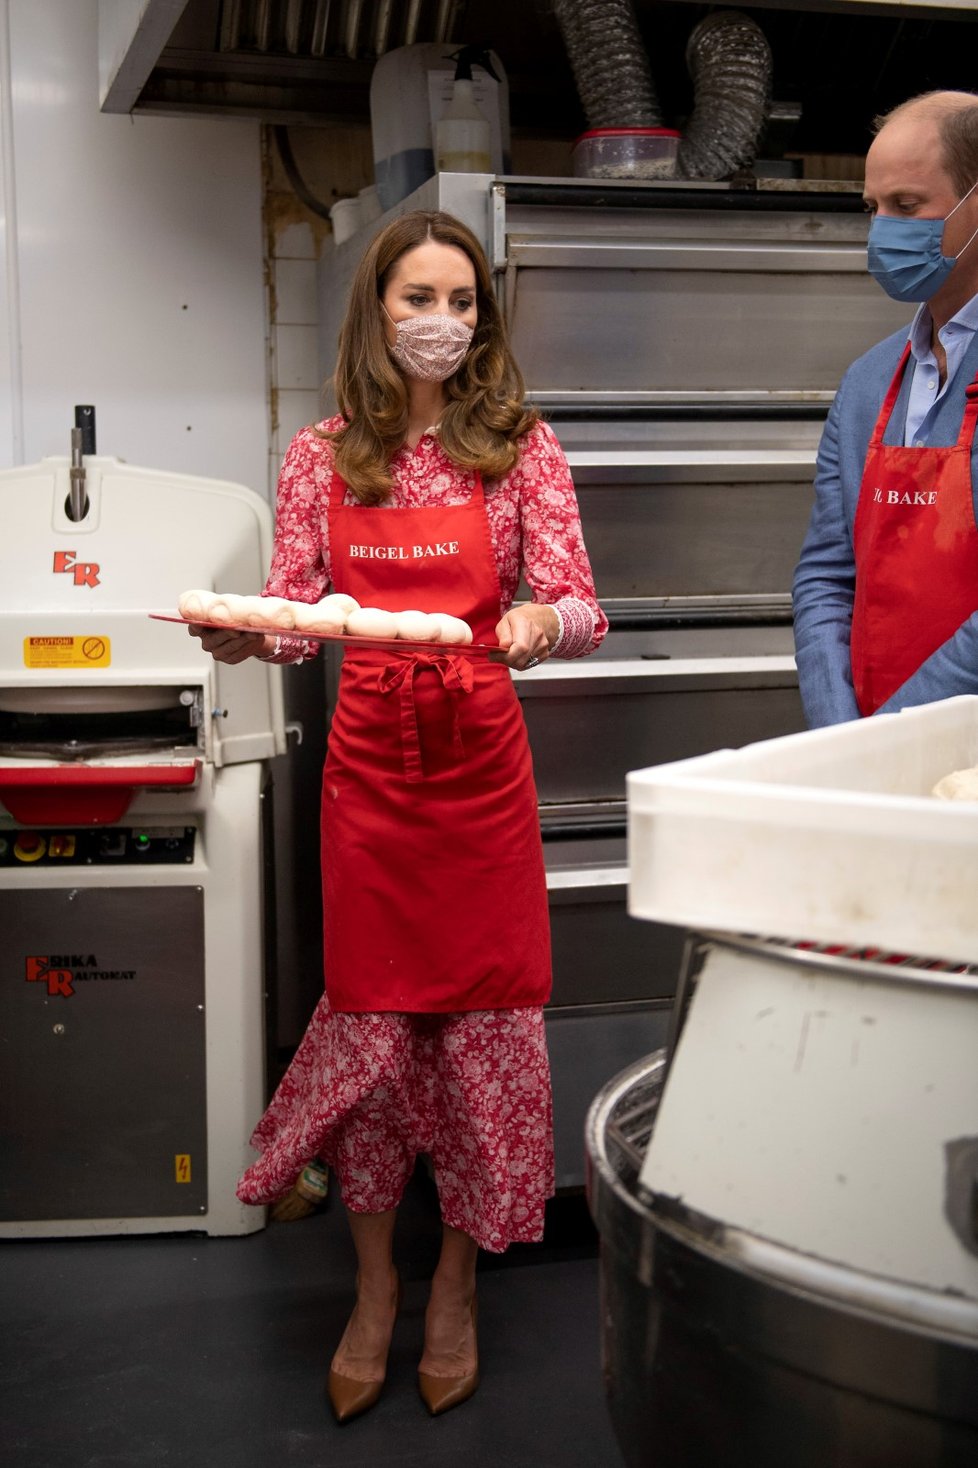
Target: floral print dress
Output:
{"points": [[368, 1092]]}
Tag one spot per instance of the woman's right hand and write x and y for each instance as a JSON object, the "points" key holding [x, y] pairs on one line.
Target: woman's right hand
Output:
{"points": [[232, 647]]}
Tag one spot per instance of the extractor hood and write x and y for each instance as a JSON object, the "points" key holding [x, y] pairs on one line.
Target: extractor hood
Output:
{"points": [[282, 60], [310, 61]]}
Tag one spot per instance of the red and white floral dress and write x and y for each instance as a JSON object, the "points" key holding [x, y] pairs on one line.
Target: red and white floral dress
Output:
{"points": [[401, 1057]]}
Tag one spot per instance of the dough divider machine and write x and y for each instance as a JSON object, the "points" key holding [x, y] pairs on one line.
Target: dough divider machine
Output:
{"points": [[135, 854]]}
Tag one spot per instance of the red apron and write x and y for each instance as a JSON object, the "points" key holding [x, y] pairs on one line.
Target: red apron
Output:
{"points": [[435, 896], [916, 550]]}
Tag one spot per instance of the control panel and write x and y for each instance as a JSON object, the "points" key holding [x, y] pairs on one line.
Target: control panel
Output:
{"points": [[106, 846]]}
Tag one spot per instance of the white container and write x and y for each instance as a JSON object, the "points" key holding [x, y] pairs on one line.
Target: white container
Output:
{"points": [[410, 88], [830, 835], [369, 204], [345, 217], [813, 1107]]}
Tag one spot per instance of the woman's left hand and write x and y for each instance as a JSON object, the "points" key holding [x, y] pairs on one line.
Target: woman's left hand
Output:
{"points": [[526, 634]]}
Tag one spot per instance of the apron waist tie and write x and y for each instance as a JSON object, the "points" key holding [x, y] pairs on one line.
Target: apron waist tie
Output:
{"points": [[457, 678]]}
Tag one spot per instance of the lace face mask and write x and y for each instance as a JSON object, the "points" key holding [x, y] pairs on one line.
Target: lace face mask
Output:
{"points": [[430, 347]]}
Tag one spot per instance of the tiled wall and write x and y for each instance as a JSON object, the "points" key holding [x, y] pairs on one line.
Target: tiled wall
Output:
{"points": [[293, 357], [335, 163]]}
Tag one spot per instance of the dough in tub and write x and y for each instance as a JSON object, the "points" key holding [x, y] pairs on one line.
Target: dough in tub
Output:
{"points": [[958, 785]]}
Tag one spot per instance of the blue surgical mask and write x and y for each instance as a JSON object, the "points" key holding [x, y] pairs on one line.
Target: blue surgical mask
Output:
{"points": [[905, 254]]}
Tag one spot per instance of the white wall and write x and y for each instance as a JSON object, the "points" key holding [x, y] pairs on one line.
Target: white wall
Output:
{"points": [[131, 257]]}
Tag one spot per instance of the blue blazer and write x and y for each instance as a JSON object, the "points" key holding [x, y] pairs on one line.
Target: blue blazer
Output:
{"points": [[825, 577]]}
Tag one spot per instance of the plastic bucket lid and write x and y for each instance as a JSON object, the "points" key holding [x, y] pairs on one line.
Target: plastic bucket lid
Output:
{"points": [[628, 132]]}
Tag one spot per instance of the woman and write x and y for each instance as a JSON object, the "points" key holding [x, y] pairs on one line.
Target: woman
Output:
{"points": [[434, 488]]}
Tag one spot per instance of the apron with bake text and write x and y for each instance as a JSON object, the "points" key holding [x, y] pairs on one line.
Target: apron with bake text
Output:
{"points": [[434, 888], [916, 550]]}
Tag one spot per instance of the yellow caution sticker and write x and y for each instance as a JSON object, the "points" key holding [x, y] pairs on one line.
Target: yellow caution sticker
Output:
{"points": [[67, 652], [182, 1167]]}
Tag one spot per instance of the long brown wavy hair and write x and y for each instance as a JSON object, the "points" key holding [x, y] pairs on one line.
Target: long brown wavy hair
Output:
{"points": [[485, 416]]}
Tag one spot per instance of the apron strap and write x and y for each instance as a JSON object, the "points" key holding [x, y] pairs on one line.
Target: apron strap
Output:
{"points": [[889, 402], [337, 489], [457, 678], [970, 419]]}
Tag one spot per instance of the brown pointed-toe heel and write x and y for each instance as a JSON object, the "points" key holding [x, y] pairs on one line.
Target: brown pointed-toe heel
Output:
{"points": [[439, 1393], [348, 1397]]}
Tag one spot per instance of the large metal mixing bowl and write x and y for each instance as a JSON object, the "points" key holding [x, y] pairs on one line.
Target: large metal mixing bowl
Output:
{"points": [[723, 1349]]}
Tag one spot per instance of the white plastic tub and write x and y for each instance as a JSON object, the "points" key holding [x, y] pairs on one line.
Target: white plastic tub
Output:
{"points": [[830, 835]]}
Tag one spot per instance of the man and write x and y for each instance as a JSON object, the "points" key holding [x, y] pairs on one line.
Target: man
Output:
{"points": [[886, 590]]}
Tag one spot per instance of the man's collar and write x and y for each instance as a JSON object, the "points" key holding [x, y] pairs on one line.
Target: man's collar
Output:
{"points": [[922, 327]]}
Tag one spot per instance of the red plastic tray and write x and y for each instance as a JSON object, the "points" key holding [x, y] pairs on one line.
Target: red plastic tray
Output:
{"points": [[388, 644]]}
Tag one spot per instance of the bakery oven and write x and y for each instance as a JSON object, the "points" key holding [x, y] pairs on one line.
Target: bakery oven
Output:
{"points": [[685, 342], [134, 800]]}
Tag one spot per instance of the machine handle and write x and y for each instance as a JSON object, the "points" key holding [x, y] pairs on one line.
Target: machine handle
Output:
{"points": [[85, 420], [84, 795]]}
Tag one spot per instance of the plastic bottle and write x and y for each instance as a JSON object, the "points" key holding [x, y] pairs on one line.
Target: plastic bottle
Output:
{"points": [[463, 136]]}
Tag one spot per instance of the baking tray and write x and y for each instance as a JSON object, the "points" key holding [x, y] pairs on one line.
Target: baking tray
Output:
{"points": [[830, 835], [388, 644]]}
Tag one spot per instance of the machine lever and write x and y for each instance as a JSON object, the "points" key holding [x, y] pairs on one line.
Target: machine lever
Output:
{"points": [[85, 420], [77, 500]]}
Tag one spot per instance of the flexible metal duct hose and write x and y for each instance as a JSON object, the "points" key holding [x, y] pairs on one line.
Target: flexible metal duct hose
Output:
{"points": [[729, 61], [609, 63]]}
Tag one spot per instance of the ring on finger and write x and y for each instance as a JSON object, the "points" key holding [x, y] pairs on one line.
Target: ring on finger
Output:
{"points": [[531, 662]]}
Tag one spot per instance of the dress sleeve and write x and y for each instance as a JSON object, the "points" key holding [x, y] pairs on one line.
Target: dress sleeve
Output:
{"points": [[300, 569], [555, 562]]}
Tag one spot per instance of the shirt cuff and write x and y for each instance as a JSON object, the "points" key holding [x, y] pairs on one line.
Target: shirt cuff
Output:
{"points": [[577, 623], [286, 650], [555, 646]]}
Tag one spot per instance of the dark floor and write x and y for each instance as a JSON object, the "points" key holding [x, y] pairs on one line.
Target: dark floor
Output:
{"points": [[212, 1353]]}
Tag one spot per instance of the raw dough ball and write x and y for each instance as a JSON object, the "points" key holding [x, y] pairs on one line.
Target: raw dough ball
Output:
{"points": [[269, 611], [417, 626], [226, 608], [249, 610], [317, 617], [959, 785], [452, 629], [341, 602], [371, 622], [194, 605]]}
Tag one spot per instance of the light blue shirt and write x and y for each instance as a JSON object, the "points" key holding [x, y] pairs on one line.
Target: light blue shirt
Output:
{"points": [[825, 578], [925, 390]]}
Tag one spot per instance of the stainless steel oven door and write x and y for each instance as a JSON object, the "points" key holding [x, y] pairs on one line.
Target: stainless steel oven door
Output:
{"points": [[592, 721]]}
